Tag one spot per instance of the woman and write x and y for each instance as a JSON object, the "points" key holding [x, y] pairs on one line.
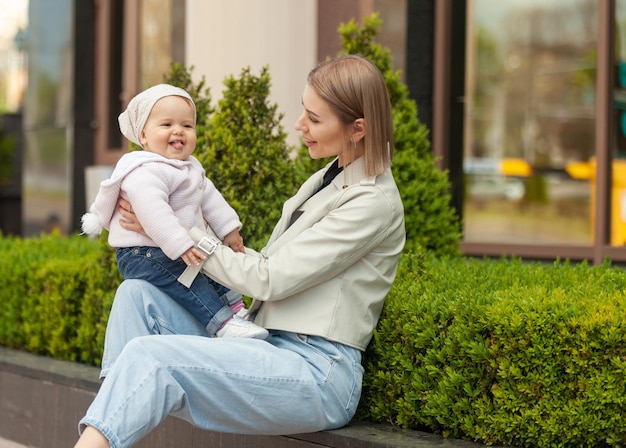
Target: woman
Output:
{"points": [[318, 287]]}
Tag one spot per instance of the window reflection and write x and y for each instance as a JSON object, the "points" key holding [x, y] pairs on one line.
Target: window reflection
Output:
{"points": [[529, 116], [48, 117], [162, 38], [13, 20], [618, 190]]}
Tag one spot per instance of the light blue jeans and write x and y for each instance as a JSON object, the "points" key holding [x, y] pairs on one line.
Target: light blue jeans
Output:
{"points": [[158, 361]]}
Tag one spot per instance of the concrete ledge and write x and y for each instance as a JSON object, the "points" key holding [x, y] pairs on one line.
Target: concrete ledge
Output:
{"points": [[42, 400]]}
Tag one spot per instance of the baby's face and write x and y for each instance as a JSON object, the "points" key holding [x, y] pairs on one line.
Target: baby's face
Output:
{"points": [[170, 130]]}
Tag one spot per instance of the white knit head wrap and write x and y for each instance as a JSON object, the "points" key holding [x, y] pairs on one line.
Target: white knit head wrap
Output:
{"points": [[134, 118]]}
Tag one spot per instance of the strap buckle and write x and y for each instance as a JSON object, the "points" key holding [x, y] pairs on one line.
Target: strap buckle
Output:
{"points": [[208, 245]]}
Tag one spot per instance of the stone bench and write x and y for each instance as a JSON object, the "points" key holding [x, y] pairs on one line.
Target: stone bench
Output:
{"points": [[42, 400]]}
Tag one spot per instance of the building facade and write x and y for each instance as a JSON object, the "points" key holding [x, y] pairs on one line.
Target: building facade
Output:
{"points": [[525, 100]]}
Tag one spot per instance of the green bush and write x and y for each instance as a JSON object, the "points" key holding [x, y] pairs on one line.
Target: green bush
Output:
{"points": [[247, 155], [496, 351], [242, 146], [7, 156], [502, 352], [56, 293], [431, 223]]}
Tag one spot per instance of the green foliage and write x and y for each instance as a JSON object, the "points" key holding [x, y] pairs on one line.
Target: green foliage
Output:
{"points": [[502, 352], [247, 156], [498, 351], [535, 190], [431, 223], [242, 146], [56, 292], [7, 155], [179, 76]]}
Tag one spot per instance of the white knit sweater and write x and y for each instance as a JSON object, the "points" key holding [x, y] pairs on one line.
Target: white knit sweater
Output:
{"points": [[168, 196]]}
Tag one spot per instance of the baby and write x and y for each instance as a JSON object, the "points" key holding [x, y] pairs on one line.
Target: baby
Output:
{"points": [[169, 193]]}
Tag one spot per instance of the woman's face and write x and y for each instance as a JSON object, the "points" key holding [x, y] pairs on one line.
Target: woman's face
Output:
{"points": [[323, 132]]}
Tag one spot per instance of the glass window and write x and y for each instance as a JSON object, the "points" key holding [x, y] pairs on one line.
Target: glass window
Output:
{"points": [[162, 38], [618, 190], [529, 121], [48, 118], [13, 19]]}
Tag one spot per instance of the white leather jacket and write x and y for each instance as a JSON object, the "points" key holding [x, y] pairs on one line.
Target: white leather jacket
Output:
{"points": [[329, 272]]}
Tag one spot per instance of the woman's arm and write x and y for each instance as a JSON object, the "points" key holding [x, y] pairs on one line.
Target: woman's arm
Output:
{"points": [[306, 257]]}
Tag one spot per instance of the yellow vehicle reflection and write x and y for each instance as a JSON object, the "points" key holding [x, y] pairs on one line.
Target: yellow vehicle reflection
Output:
{"points": [[587, 171]]}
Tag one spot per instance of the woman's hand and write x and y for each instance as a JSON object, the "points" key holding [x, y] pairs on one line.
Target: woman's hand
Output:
{"points": [[130, 221]]}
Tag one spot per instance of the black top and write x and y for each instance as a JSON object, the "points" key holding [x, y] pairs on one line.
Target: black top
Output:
{"points": [[332, 172], [329, 175]]}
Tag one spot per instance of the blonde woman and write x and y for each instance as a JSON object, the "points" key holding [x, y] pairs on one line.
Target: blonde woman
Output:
{"points": [[318, 287]]}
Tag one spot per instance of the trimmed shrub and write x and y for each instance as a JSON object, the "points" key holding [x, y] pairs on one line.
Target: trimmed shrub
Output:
{"points": [[502, 352], [247, 156], [242, 146], [431, 222], [56, 293], [496, 351]]}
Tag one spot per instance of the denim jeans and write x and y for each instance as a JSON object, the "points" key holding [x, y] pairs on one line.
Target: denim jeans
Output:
{"points": [[205, 299], [158, 361]]}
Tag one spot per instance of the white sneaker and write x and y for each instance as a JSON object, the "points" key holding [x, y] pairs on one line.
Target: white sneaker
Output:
{"points": [[240, 328]]}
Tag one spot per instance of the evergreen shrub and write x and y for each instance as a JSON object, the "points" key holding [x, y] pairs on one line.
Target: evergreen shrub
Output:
{"points": [[247, 156], [502, 352], [7, 156], [431, 222], [56, 293], [497, 351]]}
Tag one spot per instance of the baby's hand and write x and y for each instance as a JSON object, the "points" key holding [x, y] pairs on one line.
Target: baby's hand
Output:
{"points": [[235, 241], [193, 255]]}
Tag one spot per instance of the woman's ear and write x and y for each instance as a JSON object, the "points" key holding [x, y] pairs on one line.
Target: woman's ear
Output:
{"points": [[358, 130]]}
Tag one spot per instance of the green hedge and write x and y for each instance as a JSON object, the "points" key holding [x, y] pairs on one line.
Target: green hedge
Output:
{"points": [[55, 294], [497, 351], [502, 352]]}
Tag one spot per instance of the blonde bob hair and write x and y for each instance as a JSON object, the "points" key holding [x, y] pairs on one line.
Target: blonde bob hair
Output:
{"points": [[354, 88]]}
